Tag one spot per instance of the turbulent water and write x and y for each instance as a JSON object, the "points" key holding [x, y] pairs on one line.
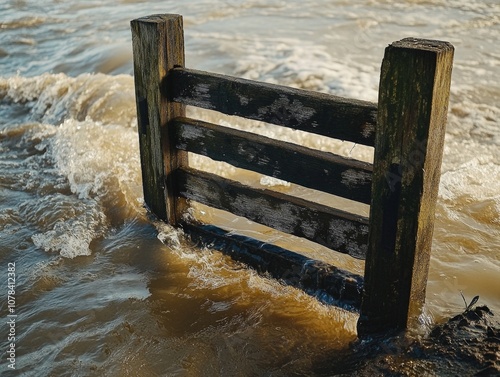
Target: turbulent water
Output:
{"points": [[103, 289]]}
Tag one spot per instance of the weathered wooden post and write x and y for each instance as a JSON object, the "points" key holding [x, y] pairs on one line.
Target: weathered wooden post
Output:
{"points": [[158, 46], [412, 109]]}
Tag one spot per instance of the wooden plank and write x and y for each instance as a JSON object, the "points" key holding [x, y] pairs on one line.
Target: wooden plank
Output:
{"points": [[413, 101], [314, 277], [338, 230], [299, 109], [158, 46], [315, 169]]}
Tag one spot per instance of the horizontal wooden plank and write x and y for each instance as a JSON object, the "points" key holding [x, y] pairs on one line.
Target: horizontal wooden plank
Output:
{"points": [[338, 230], [319, 113], [307, 167], [314, 277]]}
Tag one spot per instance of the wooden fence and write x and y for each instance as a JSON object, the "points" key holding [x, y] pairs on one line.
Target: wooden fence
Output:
{"points": [[406, 127]]}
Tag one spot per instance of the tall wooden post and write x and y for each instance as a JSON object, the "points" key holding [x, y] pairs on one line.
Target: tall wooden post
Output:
{"points": [[158, 46], [413, 102]]}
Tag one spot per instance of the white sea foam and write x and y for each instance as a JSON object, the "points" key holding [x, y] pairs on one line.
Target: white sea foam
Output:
{"points": [[271, 182], [86, 135], [89, 126], [471, 161], [88, 156], [298, 64], [52, 98], [70, 238], [475, 171], [101, 166]]}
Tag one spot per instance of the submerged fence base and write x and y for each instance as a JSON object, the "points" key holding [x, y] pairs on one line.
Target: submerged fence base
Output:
{"points": [[315, 277], [406, 128]]}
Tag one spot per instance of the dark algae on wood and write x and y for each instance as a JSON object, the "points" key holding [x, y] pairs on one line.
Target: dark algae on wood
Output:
{"points": [[307, 167], [158, 46], [413, 102], [339, 230], [318, 113]]}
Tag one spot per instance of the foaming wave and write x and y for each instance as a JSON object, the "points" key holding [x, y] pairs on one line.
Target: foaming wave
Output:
{"points": [[72, 237], [477, 177], [77, 153], [101, 166], [53, 98], [99, 161], [476, 120], [471, 163], [308, 67], [298, 64], [87, 130], [468, 212]]}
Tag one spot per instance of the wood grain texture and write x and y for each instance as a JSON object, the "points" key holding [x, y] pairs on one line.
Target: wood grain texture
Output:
{"points": [[314, 277], [158, 46], [307, 167], [299, 109], [413, 101], [338, 230]]}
